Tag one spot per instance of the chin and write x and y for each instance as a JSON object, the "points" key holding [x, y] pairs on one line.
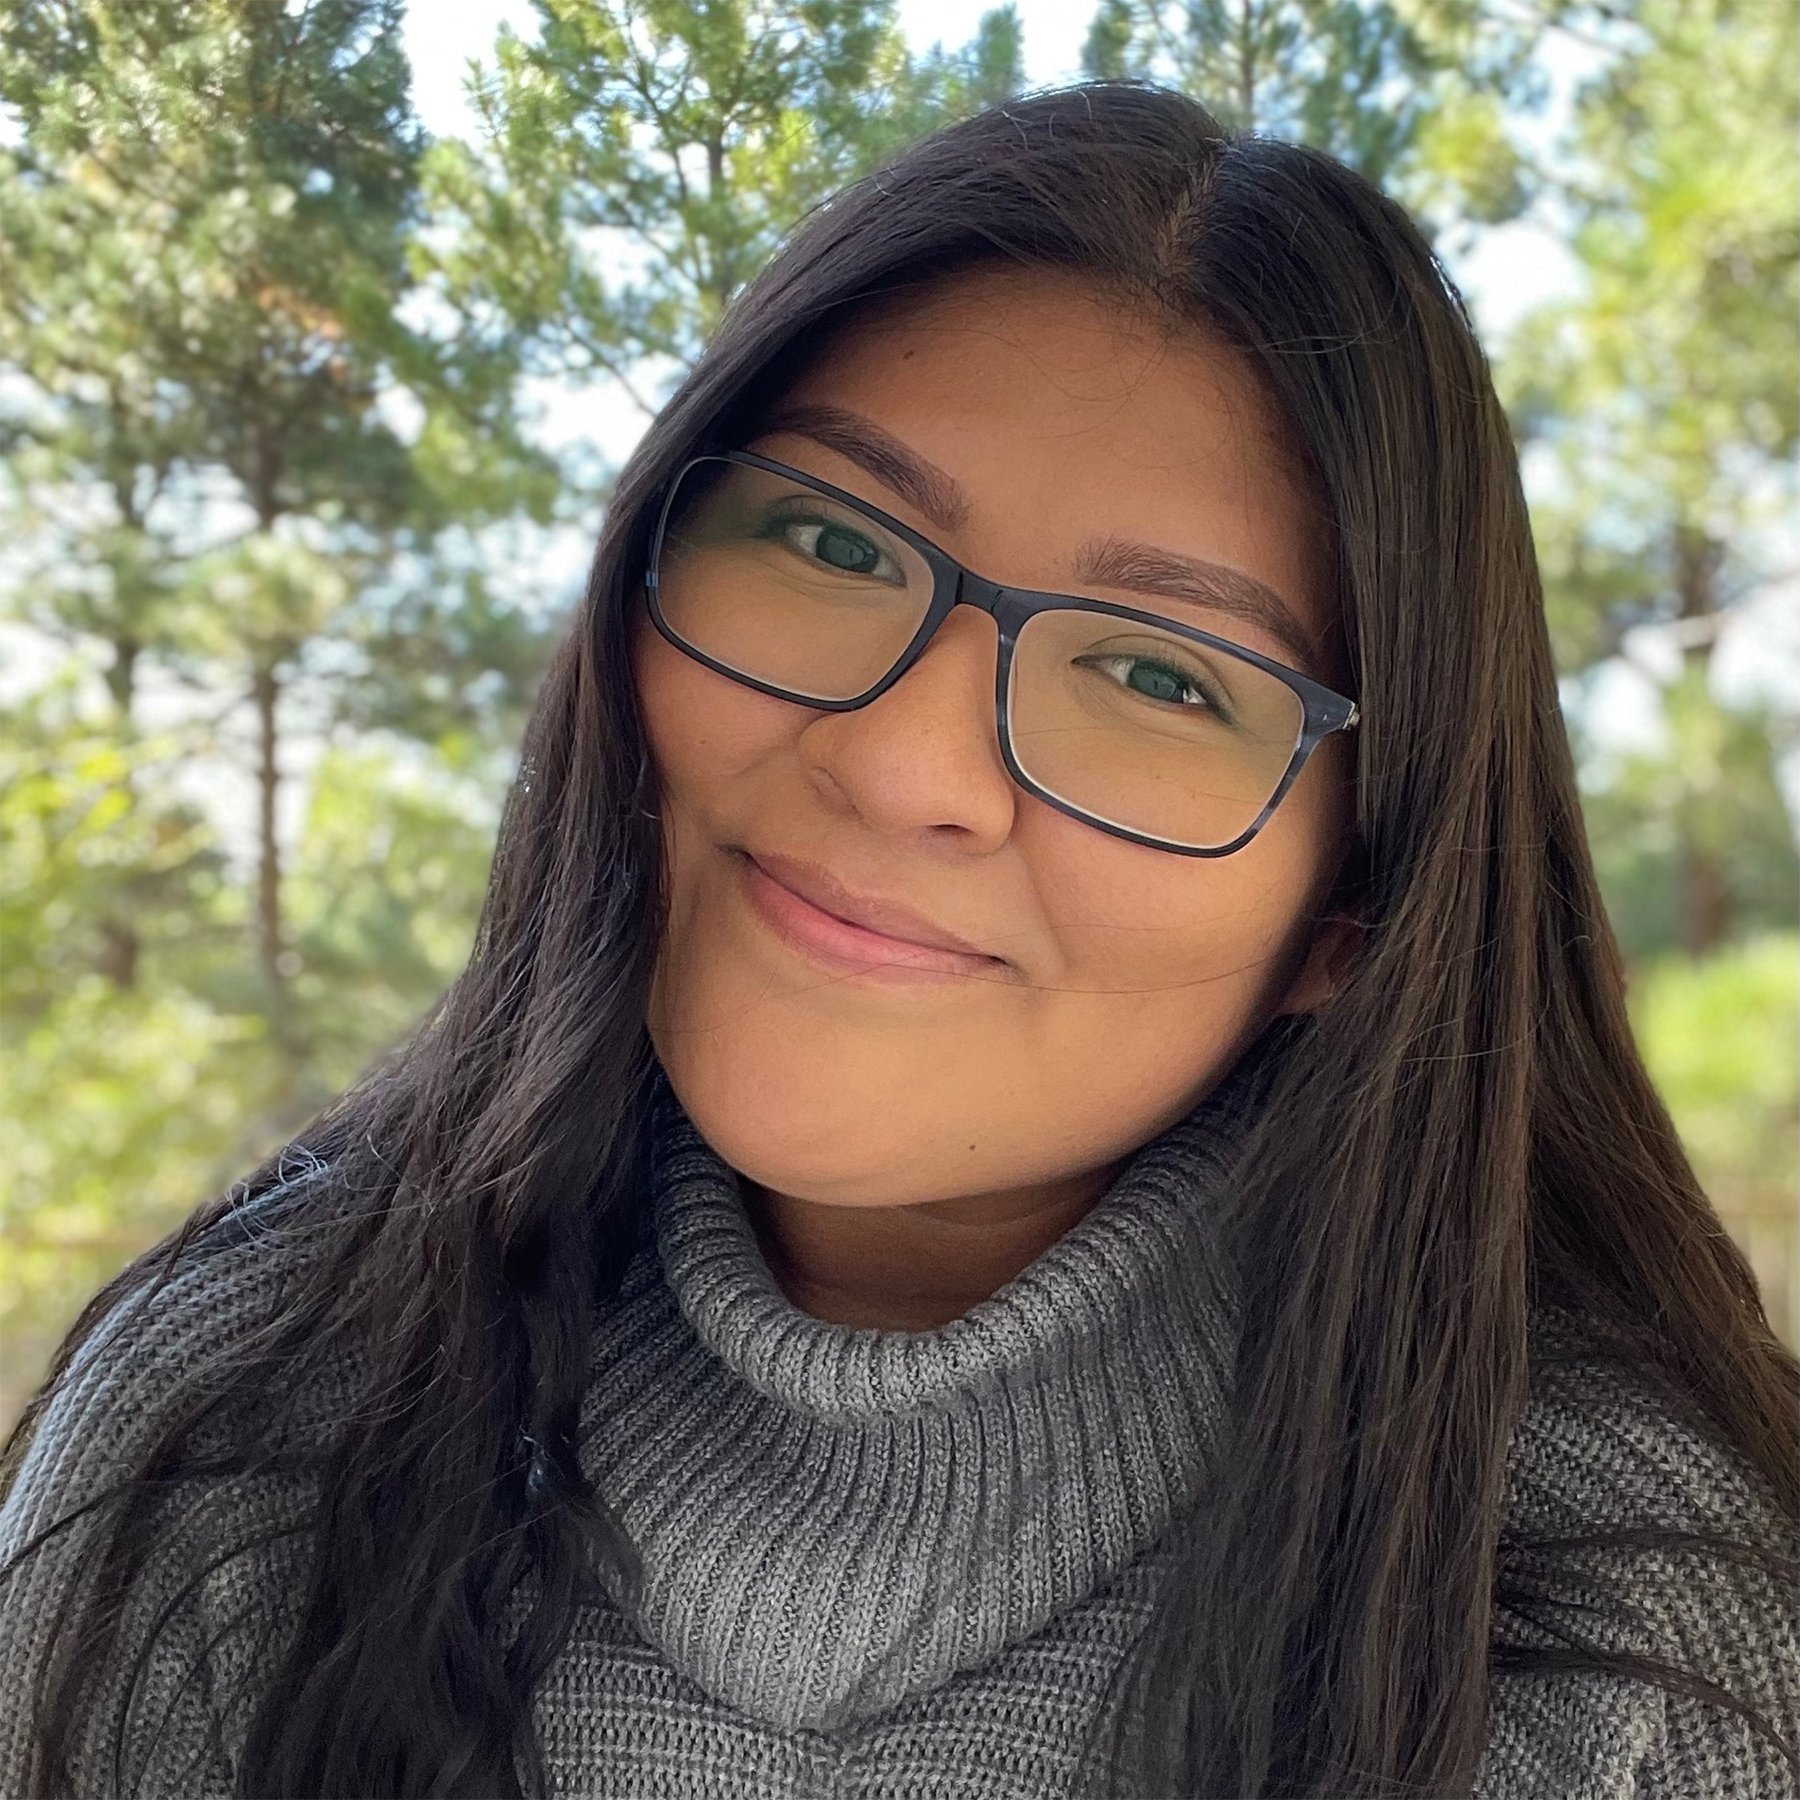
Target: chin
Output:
{"points": [[837, 1143], [834, 1147]]}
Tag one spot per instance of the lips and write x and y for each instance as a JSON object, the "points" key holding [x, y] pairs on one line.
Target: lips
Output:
{"points": [[809, 907]]}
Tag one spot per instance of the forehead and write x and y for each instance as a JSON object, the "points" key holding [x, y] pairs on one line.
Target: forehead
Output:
{"points": [[1066, 415]]}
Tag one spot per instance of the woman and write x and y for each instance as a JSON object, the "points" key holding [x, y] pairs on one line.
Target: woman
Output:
{"points": [[1037, 1184]]}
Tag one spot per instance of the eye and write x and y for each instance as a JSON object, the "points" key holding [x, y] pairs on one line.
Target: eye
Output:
{"points": [[838, 545], [1156, 679]]}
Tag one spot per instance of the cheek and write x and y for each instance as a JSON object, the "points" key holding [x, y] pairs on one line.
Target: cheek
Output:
{"points": [[1134, 921], [726, 764], [704, 730]]}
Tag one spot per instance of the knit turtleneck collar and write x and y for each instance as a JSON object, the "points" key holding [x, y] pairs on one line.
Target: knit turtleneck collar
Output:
{"points": [[831, 1519]]}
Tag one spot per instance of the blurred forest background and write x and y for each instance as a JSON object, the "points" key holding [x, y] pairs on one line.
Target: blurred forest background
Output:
{"points": [[301, 441]]}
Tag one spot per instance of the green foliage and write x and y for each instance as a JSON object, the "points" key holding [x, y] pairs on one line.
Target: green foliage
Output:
{"points": [[1345, 75], [204, 232], [123, 1110], [1465, 169], [387, 883], [233, 474], [1668, 391], [141, 1070], [1416, 94], [1661, 407], [642, 159], [128, 1096], [1721, 1036], [99, 860], [1722, 1039], [204, 227], [988, 72], [1692, 841]]}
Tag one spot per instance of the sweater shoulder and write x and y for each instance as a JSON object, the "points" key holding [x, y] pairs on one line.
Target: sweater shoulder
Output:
{"points": [[229, 1547], [1605, 1444], [157, 1348], [1634, 1530]]}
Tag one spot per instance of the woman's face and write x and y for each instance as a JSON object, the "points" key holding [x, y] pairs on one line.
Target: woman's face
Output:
{"points": [[810, 1006]]}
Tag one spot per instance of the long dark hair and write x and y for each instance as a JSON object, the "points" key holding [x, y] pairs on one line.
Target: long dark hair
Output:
{"points": [[1466, 1133]]}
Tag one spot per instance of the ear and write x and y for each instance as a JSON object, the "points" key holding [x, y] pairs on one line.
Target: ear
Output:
{"points": [[1329, 960]]}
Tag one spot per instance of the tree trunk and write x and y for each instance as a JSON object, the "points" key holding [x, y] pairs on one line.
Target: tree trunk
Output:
{"points": [[266, 692], [1702, 902], [121, 676], [119, 940], [118, 953], [1247, 48], [1705, 905]]}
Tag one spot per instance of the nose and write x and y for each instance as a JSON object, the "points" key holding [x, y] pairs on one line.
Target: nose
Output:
{"points": [[923, 759]]}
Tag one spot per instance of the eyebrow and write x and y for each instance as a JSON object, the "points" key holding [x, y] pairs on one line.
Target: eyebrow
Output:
{"points": [[1118, 563], [1145, 569], [923, 485]]}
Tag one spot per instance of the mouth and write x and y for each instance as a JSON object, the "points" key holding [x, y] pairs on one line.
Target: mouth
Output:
{"points": [[807, 907]]}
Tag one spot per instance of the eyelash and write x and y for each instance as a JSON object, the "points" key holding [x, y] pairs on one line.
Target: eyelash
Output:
{"points": [[780, 524], [1206, 692]]}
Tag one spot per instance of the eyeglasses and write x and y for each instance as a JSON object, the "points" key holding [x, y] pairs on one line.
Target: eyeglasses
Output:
{"points": [[1153, 731]]}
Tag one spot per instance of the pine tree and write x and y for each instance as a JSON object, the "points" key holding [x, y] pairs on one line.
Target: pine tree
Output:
{"points": [[1662, 400], [640, 160], [1348, 76], [205, 227]]}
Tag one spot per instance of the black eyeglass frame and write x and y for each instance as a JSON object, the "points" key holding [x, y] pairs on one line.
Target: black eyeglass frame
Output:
{"points": [[1324, 711]]}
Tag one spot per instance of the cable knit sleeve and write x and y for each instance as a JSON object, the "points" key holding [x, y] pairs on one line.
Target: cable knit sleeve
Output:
{"points": [[1602, 1454]]}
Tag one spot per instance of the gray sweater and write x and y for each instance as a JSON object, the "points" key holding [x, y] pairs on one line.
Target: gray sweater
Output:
{"points": [[899, 1565]]}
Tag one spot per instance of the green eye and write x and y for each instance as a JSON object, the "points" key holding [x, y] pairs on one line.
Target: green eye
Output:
{"points": [[1162, 682], [1156, 681], [834, 544], [843, 548], [1151, 677]]}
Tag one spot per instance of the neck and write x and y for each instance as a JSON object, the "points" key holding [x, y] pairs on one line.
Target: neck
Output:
{"points": [[913, 1268]]}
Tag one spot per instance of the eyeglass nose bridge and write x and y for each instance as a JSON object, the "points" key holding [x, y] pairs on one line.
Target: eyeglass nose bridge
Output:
{"points": [[1009, 608], [1005, 606], [956, 586]]}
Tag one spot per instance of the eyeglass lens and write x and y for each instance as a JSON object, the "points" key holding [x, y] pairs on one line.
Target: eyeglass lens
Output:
{"points": [[1121, 720]]}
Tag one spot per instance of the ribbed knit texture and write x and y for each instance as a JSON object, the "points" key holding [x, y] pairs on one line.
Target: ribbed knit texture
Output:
{"points": [[900, 1565], [835, 1520]]}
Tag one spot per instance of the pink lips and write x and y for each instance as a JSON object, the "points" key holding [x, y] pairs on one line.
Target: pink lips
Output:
{"points": [[816, 914]]}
